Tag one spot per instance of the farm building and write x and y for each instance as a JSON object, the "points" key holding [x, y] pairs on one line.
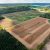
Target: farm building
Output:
{"points": [[30, 33]]}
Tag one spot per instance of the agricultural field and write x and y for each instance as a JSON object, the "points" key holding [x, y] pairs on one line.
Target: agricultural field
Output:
{"points": [[22, 16], [18, 17], [17, 45]]}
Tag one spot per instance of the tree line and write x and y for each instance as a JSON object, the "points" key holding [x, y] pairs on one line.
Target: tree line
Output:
{"points": [[45, 15], [14, 9]]}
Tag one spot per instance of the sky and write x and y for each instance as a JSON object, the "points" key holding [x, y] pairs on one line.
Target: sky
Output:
{"points": [[24, 1]]}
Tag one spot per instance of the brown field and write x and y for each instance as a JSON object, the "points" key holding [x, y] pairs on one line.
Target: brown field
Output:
{"points": [[31, 38], [30, 33]]}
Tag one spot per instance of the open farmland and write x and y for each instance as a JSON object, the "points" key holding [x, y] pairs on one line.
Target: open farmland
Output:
{"points": [[19, 17], [21, 30], [32, 32]]}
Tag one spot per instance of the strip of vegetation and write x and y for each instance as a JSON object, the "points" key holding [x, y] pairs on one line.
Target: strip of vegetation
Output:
{"points": [[1, 17], [45, 15], [49, 20], [14, 9]]}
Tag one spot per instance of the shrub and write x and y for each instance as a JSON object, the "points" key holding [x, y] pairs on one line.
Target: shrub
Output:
{"points": [[1, 17]]}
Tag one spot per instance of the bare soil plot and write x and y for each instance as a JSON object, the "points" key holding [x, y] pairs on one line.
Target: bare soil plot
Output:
{"points": [[31, 38], [32, 32], [27, 27]]}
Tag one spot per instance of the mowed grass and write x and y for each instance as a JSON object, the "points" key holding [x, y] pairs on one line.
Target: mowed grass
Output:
{"points": [[22, 16]]}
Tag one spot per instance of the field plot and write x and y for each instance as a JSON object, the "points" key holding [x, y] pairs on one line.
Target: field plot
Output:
{"points": [[19, 17], [32, 32], [27, 27]]}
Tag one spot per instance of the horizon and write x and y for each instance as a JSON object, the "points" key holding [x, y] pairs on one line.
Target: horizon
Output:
{"points": [[24, 1]]}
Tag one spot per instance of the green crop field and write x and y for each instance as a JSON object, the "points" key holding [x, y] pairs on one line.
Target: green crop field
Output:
{"points": [[19, 17]]}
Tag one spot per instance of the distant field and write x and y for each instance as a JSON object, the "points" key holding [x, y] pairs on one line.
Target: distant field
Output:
{"points": [[19, 17], [3, 7]]}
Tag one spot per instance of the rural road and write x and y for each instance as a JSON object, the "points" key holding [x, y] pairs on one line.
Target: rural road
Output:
{"points": [[47, 46]]}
